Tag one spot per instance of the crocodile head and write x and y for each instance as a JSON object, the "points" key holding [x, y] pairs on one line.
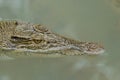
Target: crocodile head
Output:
{"points": [[37, 38]]}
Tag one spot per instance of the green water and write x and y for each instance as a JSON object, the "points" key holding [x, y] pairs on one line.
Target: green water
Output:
{"points": [[85, 20]]}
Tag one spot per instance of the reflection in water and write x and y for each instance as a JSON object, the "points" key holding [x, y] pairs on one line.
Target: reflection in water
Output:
{"points": [[57, 68], [96, 70], [4, 77]]}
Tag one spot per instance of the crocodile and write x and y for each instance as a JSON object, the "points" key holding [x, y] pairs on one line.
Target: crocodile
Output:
{"points": [[31, 39]]}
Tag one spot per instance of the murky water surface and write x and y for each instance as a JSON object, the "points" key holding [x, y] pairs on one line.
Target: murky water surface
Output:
{"points": [[85, 20]]}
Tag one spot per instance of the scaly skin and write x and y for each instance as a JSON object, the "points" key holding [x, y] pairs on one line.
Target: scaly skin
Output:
{"points": [[35, 39]]}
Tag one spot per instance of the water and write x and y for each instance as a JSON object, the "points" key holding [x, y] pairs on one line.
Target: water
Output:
{"points": [[93, 20]]}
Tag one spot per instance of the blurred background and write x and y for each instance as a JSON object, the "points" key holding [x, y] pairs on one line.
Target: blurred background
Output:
{"points": [[84, 20]]}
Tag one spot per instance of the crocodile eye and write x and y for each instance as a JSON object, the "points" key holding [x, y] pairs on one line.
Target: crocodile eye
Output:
{"points": [[37, 41]]}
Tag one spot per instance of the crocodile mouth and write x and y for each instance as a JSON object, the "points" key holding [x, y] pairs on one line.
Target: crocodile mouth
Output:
{"points": [[101, 51]]}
